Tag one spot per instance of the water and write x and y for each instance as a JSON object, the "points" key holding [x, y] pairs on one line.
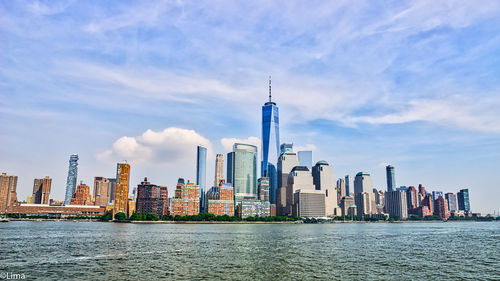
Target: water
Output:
{"points": [[375, 251]]}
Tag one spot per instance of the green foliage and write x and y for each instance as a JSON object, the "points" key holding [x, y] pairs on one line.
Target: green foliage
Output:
{"points": [[151, 217], [432, 218], [120, 216], [107, 217], [136, 217], [413, 217]]}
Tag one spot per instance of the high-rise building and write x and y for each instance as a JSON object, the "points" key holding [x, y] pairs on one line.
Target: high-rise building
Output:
{"points": [[270, 134], [441, 207], [151, 199], [396, 204], [309, 203], [341, 189], [8, 195], [299, 178], [362, 183], [421, 190], [365, 204], [463, 200], [324, 180], [412, 198], [243, 174], [391, 180], [41, 190], [71, 180], [81, 196], [263, 189], [186, 201], [436, 194], [221, 200], [429, 204], [305, 158], [345, 203], [379, 197], [452, 201], [111, 191], [121, 189], [286, 162], [349, 185], [101, 191], [284, 147], [201, 174], [219, 169]]}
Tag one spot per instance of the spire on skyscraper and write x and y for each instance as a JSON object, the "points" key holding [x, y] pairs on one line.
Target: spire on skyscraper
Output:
{"points": [[269, 88]]}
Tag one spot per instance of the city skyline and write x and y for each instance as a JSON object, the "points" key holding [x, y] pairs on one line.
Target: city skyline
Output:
{"points": [[423, 100]]}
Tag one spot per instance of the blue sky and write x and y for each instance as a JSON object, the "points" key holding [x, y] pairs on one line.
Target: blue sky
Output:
{"points": [[362, 83]]}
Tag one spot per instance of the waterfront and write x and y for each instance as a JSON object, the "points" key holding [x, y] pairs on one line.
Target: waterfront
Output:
{"points": [[93, 250]]}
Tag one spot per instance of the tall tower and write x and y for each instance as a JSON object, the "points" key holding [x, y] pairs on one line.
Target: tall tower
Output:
{"points": [[121, 189], [219, 169], [201, 173], [71, 181], [8, 195], [391, 180], [270, 144], [41, 190], [242, 171]]}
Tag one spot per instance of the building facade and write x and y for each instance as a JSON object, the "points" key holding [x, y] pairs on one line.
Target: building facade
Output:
{"points": [[254, 208], [463, 200], [452, 202], [186, 201], [122, 188], [305, 158], [263, 189], [151, 199], [396, 204], [324, 180], [221, 200], [299, 178], [72, 176], [309, 203], [286, 162], [242, 171], [101, 191], [41, 190], [201, 174], [219, 169], [391, 178], [349, 185], [8, 195], [82, 196], [441, 207]]}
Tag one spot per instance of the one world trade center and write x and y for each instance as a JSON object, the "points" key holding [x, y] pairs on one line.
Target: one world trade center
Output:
{"points": [[270, 144]]}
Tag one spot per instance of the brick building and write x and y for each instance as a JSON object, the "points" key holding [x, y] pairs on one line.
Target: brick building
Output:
{"points": [[221, 200], [151, 199], [81, 196], [186, 200]]}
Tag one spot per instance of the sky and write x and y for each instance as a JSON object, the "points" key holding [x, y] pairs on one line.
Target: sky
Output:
{"points": [[363, 84]]}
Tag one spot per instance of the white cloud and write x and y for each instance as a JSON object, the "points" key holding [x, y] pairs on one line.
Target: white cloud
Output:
{"points": [[227, 143], [306, 147], [170, 146]]}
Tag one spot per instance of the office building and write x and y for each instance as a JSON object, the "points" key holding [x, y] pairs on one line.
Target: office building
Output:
{"points": [[299, 178], [391, 179], [365, 204], [242, 171], [452, 202], [441, 207], [111, 190], [341, 189], [324, 180], [82, 196], [362, 183], [263, 189], [270, 144], [284, 147], [221, 200], [71, 180], [186, 201], [345, 203], [286, 162], [379, 197], [41, 190], [412, 198], [101, 191], [436, 194], [309, 203], [151, 199], [8, 195], [349, 185], [463, 200], [219, 169], [305, 158], [254, 208], [396, 204], [122, 188], [201, 174], [429, 203]]}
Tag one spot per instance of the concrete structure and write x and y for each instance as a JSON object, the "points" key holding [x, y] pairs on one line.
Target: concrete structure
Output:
{"points": [[72, 176], [8, 195], [219, 169], [362, 183], [41, 190], [345, 203], [391, 179], [122, 188], [441, 207], [56, 212], [151, 199], [254, 208], [102, 188], [82, 196], [452, 202], [396, 204], [324, 180], [305, 158], [463, 200], [263, 189], [286, 162], [201, 174], [309, 203], [186, 200], [299, 178], [221, 200], [242, 171]]}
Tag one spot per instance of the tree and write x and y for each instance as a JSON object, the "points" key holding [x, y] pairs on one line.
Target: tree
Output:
{"points": [[151, 217], [120, 216], [107, 217], [136, 217]]}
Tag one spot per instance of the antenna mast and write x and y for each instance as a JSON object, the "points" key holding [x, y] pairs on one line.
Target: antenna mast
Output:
{"points": [[269, 88]]}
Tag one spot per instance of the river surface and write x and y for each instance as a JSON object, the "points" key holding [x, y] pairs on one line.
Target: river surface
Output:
{"points": [[46, 250]]}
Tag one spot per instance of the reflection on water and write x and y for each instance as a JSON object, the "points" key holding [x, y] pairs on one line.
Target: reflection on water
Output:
{"points": [[383, 251]]}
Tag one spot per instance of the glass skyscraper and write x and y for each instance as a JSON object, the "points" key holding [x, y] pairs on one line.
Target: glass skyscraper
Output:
{"points": [[242, 171], [201, 174], [270, 144], [71, 181], [391, 180], [463, 200]]}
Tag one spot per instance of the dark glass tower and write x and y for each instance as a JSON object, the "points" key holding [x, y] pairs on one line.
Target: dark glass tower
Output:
{"points": [[201, 174], [391, 180], [270, 144], [71, 181]]}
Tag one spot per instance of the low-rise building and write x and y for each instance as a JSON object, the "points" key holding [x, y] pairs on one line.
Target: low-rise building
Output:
{"points": [[309, 203], [56, 211], [254, 208]]}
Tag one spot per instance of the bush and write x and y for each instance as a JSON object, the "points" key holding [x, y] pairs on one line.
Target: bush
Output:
{"points": [[120, 216]]}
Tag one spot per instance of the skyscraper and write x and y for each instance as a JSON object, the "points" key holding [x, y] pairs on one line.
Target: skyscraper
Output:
{"points": [[362, 183], [299, 178], [71, 181], [463, 200], [121, 189], [391, 180], [201, 174], [101, 191], [8, 195], [286, 147], [81, 195], [349, 186], [441, 207], [324, 180], [243, 174], [270, 144], [452, 201], [263, 189], [305, 158], [436, 194], [219, 169], [41, 190], [396, 204], [286, 162]]}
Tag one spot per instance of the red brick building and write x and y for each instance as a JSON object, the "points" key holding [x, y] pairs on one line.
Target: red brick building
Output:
{"points": [[186, 200], [441, 207], [81, 196], [151, 199]]}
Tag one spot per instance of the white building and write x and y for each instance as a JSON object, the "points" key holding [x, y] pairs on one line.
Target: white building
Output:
{"points": [[299, 178], [324, 180]]}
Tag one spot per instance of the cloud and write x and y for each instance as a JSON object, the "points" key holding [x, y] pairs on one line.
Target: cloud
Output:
{"points": [[227, 143], [306, 147], [170, 146]]}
